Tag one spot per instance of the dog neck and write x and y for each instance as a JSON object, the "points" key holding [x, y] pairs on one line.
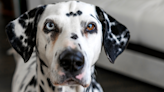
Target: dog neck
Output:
{"points": [[44, 83]]}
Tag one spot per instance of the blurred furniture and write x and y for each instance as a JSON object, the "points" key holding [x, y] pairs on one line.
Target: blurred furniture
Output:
{"points": [[144, 58]]}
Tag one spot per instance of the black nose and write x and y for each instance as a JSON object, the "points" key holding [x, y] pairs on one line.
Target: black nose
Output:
{"points": [[71, 60]]}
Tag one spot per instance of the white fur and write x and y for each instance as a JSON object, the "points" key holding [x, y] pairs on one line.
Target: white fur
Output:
{"points": [[90, 45]]}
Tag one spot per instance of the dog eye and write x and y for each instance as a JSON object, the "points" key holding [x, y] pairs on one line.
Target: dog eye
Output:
{"points": [[90, 27], [50, 26]]}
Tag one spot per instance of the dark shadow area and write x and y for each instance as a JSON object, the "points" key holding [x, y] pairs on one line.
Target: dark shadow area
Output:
{"points": [[114, 82], [7, 63]]}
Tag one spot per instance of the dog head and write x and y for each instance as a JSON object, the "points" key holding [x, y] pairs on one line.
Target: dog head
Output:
{"points": [[68, 37]]}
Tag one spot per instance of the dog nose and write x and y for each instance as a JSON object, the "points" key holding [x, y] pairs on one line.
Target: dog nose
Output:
{"points": [[71, 60]]}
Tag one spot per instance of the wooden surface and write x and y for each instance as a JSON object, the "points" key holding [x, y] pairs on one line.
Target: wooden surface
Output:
{"points": [[110, 81]]}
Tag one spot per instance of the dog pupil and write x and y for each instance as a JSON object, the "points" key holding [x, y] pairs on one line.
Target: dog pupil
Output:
{"points": [[51, 25], [90, 25]]}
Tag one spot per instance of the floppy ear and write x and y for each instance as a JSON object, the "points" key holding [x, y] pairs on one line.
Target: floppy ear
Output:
{"points": [[115, 35], [22, 32]]}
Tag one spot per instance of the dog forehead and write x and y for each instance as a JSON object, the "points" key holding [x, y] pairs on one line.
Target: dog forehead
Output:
{"points": [[74, 7]]}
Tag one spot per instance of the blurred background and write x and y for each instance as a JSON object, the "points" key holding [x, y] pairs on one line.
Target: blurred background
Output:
{"points": [[139, 69]]}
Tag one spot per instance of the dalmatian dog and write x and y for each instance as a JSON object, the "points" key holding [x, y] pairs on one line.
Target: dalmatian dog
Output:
{"points": [[60, 44]]}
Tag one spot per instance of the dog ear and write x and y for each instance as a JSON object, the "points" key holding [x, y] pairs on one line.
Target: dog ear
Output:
{"points": [[115, 35], [22, 32]]}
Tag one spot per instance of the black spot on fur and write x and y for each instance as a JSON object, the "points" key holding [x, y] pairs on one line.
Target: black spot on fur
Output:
{"points": [[45, 46], [42, 62], [94, 86], [119, 38], [102, 19], [122, 43], [41, 89], [92, 15], [79, 12], [33, 81], [111, 19], [22, 23], [71, 13], [82, 33], [80, 46], [117, 29], [74, 36], [25, 17], [37, 52], [53, 88], [111, 36], [21, 87], [56, 54], [22, 20], [21, 37], [68, 14], [127, 35], [36, 67], [95, 18], [74, 14], [32, 13], [41, 69], [41, 66], [9, 31], [25, 40], [26, 88], [33, 62], [50, 84], [42, 82], [114, 41]]}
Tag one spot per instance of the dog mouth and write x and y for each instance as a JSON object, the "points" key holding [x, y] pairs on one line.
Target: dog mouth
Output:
{"points": [[71, 81]]}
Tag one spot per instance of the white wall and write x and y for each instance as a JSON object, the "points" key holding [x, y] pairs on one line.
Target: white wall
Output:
{"points": [[33, 3]]}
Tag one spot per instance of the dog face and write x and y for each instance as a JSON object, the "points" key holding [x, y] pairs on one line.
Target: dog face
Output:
{"points": [[70, 41], [68, 37]]}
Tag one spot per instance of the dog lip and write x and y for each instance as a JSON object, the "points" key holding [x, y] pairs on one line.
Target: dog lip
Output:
{"points": [[71, 81]]}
